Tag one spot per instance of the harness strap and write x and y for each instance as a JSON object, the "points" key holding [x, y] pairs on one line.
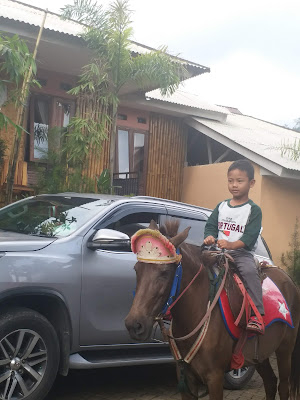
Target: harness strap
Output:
{"points": [[207, 315], [182, 293], [247, 303], [197, 344]]}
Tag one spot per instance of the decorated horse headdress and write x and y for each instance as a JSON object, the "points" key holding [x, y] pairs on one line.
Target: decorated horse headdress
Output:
{"points": [[153, 247]]}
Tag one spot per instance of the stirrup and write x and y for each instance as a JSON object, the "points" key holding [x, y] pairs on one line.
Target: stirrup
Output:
{"points": [[255, 326]]}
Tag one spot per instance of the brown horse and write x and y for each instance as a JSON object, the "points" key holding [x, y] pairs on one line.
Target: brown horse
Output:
{"points": [[213, 359]]}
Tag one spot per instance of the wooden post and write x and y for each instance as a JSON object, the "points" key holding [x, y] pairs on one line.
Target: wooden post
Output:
{"points": [[209, 150], [20, 121]]}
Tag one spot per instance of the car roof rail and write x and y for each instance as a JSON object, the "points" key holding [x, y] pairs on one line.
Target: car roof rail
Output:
{"points": [[171, 202]]}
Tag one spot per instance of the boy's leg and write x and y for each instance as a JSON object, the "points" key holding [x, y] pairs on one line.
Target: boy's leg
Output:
{"points": [[245, 263]]}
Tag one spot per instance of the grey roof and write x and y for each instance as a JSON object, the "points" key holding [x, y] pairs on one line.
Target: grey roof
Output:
{"points": [[181, 97], [255, 136], [18, 11]]}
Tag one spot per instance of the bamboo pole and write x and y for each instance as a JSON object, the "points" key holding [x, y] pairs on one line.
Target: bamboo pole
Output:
{"points": [[20, 120]]}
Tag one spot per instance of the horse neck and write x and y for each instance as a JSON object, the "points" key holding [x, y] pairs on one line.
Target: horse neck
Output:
{"points": [[192, 306]]}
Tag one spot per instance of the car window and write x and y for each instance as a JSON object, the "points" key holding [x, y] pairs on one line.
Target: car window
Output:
{"points": [[51, 216], [196, 233], [262, 248], [131, 223]]}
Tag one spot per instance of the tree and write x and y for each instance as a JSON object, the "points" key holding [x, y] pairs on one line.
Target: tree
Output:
{"points": [[112, 67], [15, 61], [17, 64], [292, 150]]}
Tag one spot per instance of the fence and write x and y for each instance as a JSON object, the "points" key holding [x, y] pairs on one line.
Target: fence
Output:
{"points": [[126, 183]]}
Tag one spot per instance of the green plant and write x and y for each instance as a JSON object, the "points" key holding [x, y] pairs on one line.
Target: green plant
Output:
{"points": [[3, 148], [55, 176], [291, 258], [103, 182], [18, 66], [112, 67], [292, 148]]}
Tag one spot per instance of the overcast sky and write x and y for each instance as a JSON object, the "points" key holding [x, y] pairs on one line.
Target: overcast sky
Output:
{"points": [[252, 48]]}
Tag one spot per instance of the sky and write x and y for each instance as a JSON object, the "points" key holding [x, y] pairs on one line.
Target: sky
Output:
{"points": [[252, 49]]}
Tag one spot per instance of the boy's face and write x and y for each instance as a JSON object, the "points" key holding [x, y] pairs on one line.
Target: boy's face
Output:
{"points": [[239, 184]]}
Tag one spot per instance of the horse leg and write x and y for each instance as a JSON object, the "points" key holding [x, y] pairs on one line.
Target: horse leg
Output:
{"points": [[284, 370], [215, 381], [191, 381], [269, 378]]}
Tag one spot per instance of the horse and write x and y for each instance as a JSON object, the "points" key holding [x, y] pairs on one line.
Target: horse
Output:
{"points": [[213, 358]]}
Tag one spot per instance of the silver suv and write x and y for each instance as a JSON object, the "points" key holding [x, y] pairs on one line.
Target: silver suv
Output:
{"points": [[66, 285]]}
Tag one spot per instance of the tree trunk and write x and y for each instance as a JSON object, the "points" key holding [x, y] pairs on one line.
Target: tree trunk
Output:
{"points": [[20, 122], [112, 153]]}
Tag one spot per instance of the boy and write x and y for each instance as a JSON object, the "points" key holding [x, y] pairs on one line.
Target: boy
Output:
{"points": [[236, 224]]}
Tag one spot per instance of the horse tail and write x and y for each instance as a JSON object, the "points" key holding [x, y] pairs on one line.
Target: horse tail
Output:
{"points": [[295, 369]]}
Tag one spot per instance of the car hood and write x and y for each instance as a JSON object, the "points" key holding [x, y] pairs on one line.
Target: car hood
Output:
{"points": [[12, 241]]}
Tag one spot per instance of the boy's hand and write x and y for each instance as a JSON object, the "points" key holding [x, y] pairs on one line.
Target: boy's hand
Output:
{"points": [[209, 240], [224, 244]]}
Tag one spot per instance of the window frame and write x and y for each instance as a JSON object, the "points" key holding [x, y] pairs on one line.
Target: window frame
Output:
{"points": [[124, 210], [131, 132], [53, 115]]}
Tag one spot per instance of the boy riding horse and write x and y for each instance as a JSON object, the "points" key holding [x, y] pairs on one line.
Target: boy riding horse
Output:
{"points": [[236, 224]]}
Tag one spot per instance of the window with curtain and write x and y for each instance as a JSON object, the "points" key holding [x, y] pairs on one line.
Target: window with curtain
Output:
{"points": [[130, 153], [48, 116]]}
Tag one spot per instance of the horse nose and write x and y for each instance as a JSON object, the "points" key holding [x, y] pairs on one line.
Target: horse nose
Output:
{"points": [[135, 327], [138, 328]]}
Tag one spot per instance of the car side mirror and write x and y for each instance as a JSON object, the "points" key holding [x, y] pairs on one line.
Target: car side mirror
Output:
{"points": [[109, 239]]}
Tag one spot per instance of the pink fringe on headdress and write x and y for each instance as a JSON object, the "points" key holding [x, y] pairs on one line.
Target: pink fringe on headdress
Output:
{"points": [[153, 233]]}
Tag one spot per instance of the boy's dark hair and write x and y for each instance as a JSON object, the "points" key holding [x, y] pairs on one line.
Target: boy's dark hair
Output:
{"points": [[243, 165]]}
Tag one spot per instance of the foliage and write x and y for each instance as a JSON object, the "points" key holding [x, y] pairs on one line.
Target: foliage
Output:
{"points": [[108, 34], [103, 182], [16, 60], [55, 176], [113, 66], [82, 135], [292, 149], [291, 259], [3, 148]]}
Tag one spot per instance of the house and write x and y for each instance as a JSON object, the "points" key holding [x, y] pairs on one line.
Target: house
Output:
{"points": [[224, 135], [177, 148], [141, 130]]}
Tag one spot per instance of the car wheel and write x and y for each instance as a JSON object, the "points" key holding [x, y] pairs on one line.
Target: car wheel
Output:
{"points": [[29, 355], [238, 378]]}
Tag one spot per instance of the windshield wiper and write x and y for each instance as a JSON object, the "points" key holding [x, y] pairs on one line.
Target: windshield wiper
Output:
{"points": [[41, 235]]}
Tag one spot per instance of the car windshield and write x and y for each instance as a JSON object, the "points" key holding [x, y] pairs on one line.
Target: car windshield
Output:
{"points": [[50, 216]]}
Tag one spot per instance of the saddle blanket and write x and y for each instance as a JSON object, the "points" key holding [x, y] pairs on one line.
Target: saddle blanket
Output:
{"points": [[276, 308]]}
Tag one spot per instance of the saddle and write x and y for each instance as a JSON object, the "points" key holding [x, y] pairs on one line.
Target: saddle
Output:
{"points": [[231, 299]]}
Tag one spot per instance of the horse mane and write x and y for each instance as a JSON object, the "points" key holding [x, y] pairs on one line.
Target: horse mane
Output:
{"points": [[170, 228]]}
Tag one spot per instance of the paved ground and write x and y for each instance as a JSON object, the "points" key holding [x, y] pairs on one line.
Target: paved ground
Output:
{"points": [[132, 383]]}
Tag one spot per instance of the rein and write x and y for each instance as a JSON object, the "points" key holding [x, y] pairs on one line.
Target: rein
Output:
{"points": [[211, 307], [182, 293]]}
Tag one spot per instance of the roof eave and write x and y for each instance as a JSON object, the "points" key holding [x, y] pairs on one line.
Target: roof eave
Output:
{"points": [[161, 106], [30, 31], [268, 165]]}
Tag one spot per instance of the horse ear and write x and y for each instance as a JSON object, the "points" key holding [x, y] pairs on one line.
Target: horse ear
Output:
{"points": [[180, 238], [153, 225]]}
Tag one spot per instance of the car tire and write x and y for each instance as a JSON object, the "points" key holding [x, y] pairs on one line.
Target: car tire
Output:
{"points": [[29, 355], [238, 378]]}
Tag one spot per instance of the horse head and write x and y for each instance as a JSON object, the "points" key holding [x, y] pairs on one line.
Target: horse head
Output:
{"points": [[155, 269]]}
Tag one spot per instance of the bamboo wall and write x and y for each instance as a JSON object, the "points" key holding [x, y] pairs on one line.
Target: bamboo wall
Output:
{"points": [[8, 136], [167, 150], [98, 158]]}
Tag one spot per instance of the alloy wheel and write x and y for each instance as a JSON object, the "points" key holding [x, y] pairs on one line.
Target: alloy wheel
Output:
{"points": [[23, 361]]}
